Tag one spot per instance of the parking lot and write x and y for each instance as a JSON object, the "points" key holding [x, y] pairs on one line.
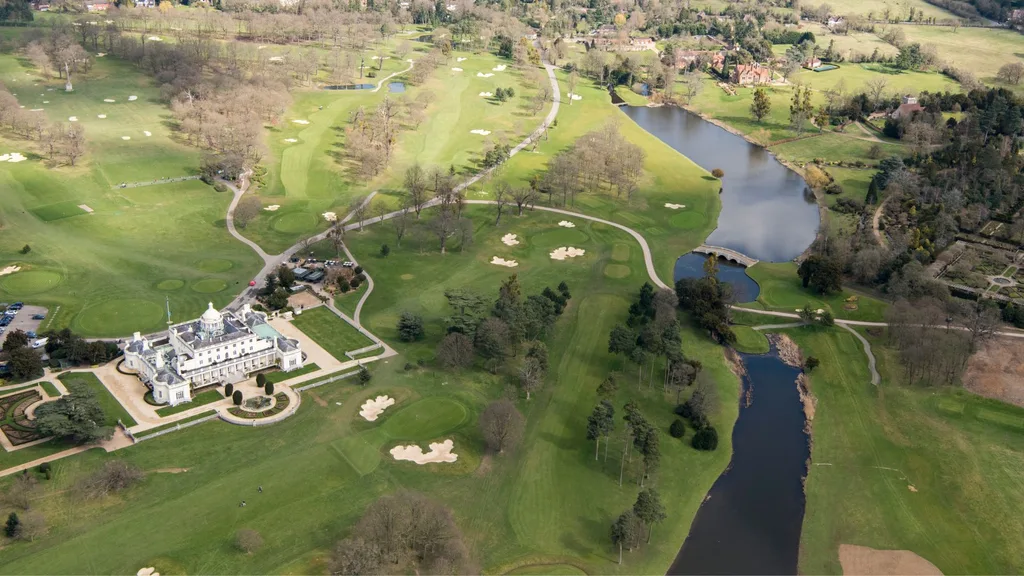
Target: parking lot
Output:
{"points": [[23, 321]]}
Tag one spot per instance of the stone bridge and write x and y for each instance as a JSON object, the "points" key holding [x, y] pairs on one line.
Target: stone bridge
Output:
{"points": [[727, 253]]}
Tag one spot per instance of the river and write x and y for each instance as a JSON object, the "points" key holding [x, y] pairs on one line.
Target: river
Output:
{"points": [[751, 519]]}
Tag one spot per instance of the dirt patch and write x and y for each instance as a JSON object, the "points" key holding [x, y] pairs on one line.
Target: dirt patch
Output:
{"points": [[996, 370], [169, 470], [485, 465], [732, 357], [803, 386], [317, 399], [303, 300], [789, 352], [868, 561]]}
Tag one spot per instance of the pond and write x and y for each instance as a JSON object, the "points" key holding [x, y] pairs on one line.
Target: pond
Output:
{"points": [[766, 212], [751, 520], [351, 87], [744, 289], [396, 87]]}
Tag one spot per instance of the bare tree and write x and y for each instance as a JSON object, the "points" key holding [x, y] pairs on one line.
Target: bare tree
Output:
{"points": [[443, 225], [693, 85], [502, 191], [531, 375], [455, 351], [73, 143], [1011, 73], [248, 540], [416, 187], [355, 556], [502, 425], [876, 88], [400, 224], [523, 196], [247, 209]]}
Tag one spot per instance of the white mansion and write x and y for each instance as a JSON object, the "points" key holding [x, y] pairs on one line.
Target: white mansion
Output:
{"points": [[216, 348]]}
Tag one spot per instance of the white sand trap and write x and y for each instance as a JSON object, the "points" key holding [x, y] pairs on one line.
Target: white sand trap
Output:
{"points": [[147, 132], [291, 140], [566, 224], [499, 68], [260, 47], [276, 58], [13, 157], [480, 132], [439, 452], [575, 96], [133, 98], [869, 561], [36, 110], [486, 94], [101, 116], [272, 207], [373, 408], [101, 54], [147, 572], [155, 39], [384, 58], [85, 207], [9, 270], [126, 137], [502, 262], [46, 101], [72, 118], [454, 69], [301, 121], [461, 59], [509, 240], [330, 216], [570, 252], [109, 100], [674, 206], [482, 75]]}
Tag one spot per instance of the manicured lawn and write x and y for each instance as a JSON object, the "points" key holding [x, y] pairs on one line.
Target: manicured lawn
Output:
{"points": [[50, 389], [332, 333], [152, 431], [750, 341], [873, 445], [108, 272], [782, 290], [112, 409], [203, 398], [876, 8], [979, 50], [281, 376], [853, 78]]}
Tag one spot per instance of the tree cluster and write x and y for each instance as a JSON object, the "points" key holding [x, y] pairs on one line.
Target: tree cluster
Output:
{"points": [[708, 300], [76, 416], [627, 530], [597, 161]]}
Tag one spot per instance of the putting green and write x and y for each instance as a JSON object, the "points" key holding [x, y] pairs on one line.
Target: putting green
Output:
{"points": [[616, 271], [294, 222], [426, 419], [620, 252], [215, 265], [687, 220], [170, 284], [118, 317], [209, 285], [559, 237], [31, 282]]}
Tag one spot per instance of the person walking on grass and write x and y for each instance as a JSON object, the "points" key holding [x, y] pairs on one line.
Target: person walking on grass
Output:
{"points": [[260, 488]]}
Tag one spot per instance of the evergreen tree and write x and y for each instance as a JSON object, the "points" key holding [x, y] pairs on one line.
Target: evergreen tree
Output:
{"points": [[601, 424], [13, 527], [648, 507], [761, 106], [872, 196]]}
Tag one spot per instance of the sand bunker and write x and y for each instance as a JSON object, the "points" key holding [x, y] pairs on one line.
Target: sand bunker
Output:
{"points": [[276, 58], [9, 270], [502, 262], [147, 132], [272, 207], [85, 208], [12, 157], [126, 137], [109, 100], [373, 408], [379, 58], [101, 116], [509, 239], [499, 68], [454, 69], [570, 252], [101, 54], [674, 206], [147, 572], [330, 216], [46, 101], [439, 452], [133, 98], [36, 110], [155, 39], [566, 224], [866, 561], [480, 132], [72, 118], [461, 59], [482, 75], [487, 94], [575, 96], [291, 140], [301, 121]]}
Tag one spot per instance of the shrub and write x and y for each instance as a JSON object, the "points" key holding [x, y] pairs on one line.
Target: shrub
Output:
{"points": [[228, 389], [364, 375], [677, 429], [26, 249], [409, 366], [385, 250], [261, 380], [220, 187], [718, 173], [13, 527], [237, 397], [115, 476], [269, 389], [248, 540], [44, 467], [706, 439], [354, 283], [410, 327], [343, 284], [811, 363], [358, 270], [684, 410]]}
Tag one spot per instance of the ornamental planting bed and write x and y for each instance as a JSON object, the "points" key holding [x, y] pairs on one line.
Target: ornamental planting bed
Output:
{"points": [[281, 402]]}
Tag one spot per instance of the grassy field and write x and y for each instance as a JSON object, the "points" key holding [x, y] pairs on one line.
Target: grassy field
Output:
{"points": [[854, 77], [781, 290], [979, 50], [280, 376], [332, 333], [547, 503], [201, 399], [876, 8], [932, 470], [112, 409], [107, 272], [750, 341]]}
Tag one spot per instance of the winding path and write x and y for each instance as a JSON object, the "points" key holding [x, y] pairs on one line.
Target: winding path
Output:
{"points": [[875, 378], [875, 219]]}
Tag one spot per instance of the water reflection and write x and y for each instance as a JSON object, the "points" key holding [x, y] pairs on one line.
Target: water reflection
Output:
{"points": [[744, 289]]}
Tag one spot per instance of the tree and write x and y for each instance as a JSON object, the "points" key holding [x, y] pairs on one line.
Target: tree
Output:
{"points": [[531, 375], [523, 196], [261, 380], [385, 250], [416, 187], [76, 416], [13, 527], [410, 327], [32, 526], [248, 540], [872, 195], [811, 363], [601, 424], [16, 339], [492, 338], [73, 142], [626, 531], [355, 556], [502, 191], [875, 88], [677, 429], [761, 106], [607, 388], [269, 389], [115, 476], [718, 173], [1011, 73], [706, 439], [455, 351], [821, 274], [228, 390], [649, 509], [248, 208], [236, 397], [502, 425], [285, 276], [693, 85]]}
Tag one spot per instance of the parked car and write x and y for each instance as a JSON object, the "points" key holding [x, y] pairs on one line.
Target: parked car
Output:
{"points": [[40, 342], [348, 264], [10, 312], [17, 306], [6, 320], [31, 334], [39, 316]]}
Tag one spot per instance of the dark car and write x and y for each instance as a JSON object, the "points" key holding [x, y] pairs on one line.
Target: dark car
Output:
{"points": [[6, 320], [16, 306], [39, 317]]}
